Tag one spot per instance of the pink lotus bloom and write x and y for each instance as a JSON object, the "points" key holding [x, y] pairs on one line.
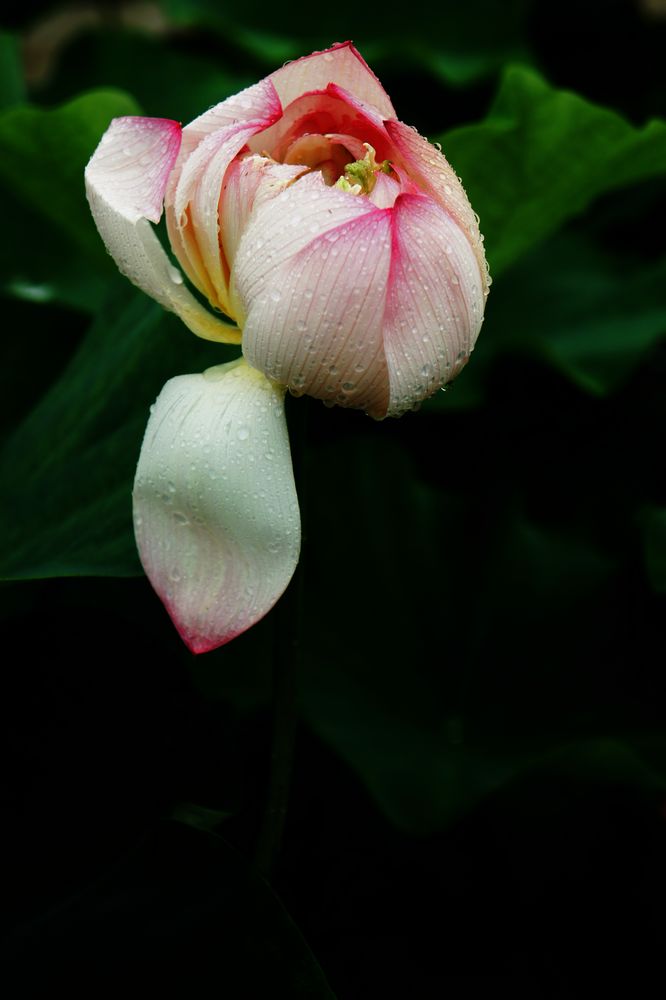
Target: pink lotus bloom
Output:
{"points": [[343, 247]]}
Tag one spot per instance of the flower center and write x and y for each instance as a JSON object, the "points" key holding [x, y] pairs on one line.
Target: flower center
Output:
{"points": [[337, 162], [360, 176]]}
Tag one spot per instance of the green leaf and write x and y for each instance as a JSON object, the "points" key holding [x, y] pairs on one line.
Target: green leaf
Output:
{"points": [[592, 316], [12, 85], [543, 155], [166, 81], [43, 154], [68, 469], [454, 645]]}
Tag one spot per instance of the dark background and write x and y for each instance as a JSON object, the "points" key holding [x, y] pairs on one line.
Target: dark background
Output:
{"points": [[479, 790]]}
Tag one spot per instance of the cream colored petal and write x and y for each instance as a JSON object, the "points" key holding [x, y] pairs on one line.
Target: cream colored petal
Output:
{"points": [[216, 515]]}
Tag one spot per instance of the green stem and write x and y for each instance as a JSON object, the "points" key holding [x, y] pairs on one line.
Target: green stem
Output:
{"points": [[286, 662]]}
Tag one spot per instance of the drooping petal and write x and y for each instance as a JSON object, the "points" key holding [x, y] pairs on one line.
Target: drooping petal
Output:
{"points": [[341, 64], [433, 173], [434, 307], [311, 273], [125, 183], [215, 508]]}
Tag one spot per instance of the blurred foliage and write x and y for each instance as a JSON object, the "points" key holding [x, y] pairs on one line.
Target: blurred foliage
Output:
{"points": [[483, 578], [541, 156], [472, 38]]}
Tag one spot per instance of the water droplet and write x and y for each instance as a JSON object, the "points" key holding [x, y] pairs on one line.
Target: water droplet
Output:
{"points": [[174, 575], [243, 432], [180, 518], [275, 295], [175, 274]]}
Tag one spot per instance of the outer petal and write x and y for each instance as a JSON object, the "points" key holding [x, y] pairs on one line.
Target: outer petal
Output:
{"points": [[311, 272], [341, 64], [434, 307], [125, 183], [434, 175], [216, 514]]}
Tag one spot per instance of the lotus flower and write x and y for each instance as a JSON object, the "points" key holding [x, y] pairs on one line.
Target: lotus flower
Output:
{"points": [[342, 246]]}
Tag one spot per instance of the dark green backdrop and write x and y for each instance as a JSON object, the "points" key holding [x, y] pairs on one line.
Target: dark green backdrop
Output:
{"points": [[480, 779]]}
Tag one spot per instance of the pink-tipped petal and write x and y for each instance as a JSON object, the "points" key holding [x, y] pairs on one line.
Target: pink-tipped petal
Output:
{"points": [[341, 64], [311, 273], [434, 307], [432, 172], [125, 183], [259, 102], [215, 508]]}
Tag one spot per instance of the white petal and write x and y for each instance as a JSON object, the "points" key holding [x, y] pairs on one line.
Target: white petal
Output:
{"points": [[216, 514], [125, 183]]}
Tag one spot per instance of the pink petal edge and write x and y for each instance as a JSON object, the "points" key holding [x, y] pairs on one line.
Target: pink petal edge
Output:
{"points": [[342, 64], [125, 183]]}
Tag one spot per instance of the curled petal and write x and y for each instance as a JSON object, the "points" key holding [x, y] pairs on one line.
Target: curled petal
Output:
{"points": [[434, 306], [215, 508], [342, 65], [258, 102], [192, 217], [125, 183], [333, 111]]}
